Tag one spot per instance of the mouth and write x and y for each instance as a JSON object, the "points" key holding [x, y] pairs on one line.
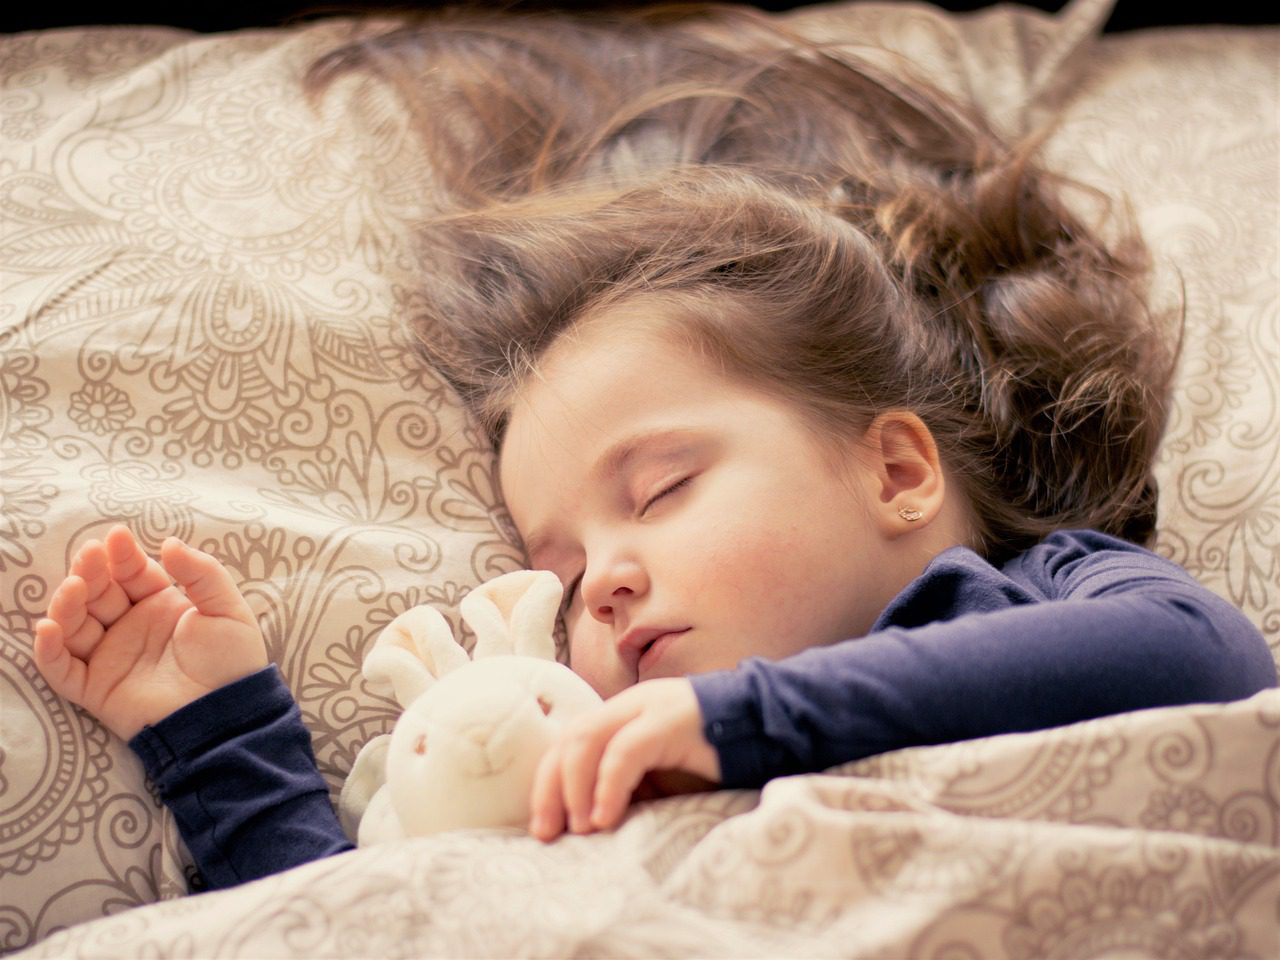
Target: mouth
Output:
{"points": [[651, 654]]}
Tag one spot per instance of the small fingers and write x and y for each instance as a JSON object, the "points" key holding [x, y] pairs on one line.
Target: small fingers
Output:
{"points": [[67, 605], [138, 575], [630, 754], [590, 773], [90, 561], [65, 674], [105, 598], [546, 806], [77, 630], [580, 762]]}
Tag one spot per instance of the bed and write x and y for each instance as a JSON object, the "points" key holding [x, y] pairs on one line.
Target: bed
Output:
{"points": [[202, 289]]}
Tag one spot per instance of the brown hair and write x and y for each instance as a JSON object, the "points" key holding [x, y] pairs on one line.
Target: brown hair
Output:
{"points": [[880, 245]]}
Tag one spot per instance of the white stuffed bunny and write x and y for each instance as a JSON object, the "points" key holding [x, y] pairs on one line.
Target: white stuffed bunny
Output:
{"points": [[464, 752]]}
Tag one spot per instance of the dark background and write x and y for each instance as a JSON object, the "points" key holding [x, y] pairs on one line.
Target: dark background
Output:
{"points": [[212, 15]]}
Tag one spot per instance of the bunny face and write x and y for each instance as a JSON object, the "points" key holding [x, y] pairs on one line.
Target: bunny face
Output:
{"points": [[464, 752]]}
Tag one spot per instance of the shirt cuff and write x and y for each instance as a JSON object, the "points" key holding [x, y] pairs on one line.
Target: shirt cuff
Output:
{"points": [[732, 724], [191, 730]]}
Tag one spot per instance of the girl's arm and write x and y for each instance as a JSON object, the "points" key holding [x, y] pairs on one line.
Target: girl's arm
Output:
{"points": [[1080, 627], [178, 668], [237, 770]]}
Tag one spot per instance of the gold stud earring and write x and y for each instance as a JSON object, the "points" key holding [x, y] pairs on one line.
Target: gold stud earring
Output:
{"points": [[910, 514]]}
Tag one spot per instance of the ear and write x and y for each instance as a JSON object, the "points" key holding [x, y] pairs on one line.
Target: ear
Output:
{"points": [[514, 613], [412, 652], [902, 469]]}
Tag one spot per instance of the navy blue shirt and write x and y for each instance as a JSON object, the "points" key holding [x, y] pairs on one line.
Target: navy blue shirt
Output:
{"points": [[237, 770], [1082, 625]]}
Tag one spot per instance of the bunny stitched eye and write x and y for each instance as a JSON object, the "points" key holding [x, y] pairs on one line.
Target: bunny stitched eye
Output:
{"points": [[420, 745], [545, 704]]}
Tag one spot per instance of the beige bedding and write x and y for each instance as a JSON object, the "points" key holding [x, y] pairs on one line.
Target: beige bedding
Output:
{"points": [[201, 285]]}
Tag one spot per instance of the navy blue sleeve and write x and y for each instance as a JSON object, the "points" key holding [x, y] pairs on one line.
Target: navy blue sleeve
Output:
{"points": [[237, 770], [1112, 633]]}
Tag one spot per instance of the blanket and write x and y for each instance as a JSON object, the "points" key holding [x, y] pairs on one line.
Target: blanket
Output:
{"points": [[203, 293]]}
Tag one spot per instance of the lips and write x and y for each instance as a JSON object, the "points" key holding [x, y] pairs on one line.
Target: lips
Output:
{"points": [[651, 654], [642, 647]]}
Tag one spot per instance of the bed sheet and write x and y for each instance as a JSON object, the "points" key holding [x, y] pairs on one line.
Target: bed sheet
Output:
{"points": [[203, 288]]}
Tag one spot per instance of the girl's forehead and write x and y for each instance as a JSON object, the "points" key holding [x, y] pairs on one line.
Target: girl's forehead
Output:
{"points": [[594, 387], [592, 394], [599, 370]]}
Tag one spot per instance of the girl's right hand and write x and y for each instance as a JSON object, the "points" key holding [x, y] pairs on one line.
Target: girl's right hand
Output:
{"points": [[589, 776], [130, 646]]}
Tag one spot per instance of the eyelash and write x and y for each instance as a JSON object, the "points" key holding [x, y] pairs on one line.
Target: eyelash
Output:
{"points": [[671, 489], [573, 587]]}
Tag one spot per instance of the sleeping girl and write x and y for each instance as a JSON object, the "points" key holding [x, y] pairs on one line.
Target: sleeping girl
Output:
{"points": [[834, 456]]}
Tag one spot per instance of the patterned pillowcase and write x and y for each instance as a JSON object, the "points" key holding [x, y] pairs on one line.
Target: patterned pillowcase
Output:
{"points": [[201, 334]]}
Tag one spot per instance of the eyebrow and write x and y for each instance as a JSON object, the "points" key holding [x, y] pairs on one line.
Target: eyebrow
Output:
{"points": [[611, 464]]}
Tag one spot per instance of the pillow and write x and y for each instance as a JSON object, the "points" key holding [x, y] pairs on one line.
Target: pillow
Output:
{"points": [[200, 335], [1184, 124]]}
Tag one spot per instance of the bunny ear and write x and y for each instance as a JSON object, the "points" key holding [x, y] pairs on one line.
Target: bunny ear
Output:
{"points": [[515, 613], [412, 652]]}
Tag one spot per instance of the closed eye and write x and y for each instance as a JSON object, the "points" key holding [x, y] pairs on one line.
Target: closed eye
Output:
{"points": [[567, 602], [572, 590], [671, 489]]}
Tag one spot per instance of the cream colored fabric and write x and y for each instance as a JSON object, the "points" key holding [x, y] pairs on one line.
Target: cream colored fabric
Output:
{"points": [[201, 286], [1145, 835], [200, 335]]}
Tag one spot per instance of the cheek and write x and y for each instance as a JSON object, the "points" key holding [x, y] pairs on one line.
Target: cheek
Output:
{"points": [[590, 658], [765, 582], [749, 562]]}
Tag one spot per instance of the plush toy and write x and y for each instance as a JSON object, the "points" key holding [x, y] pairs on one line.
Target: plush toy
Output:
{"points": [[464, 751]]}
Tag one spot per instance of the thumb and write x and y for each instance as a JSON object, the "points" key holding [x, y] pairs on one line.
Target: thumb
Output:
{"points": [[205, 581], [65, 675]]}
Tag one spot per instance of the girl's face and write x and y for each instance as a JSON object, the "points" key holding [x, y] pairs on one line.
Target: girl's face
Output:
{"points": [[695, 520]]}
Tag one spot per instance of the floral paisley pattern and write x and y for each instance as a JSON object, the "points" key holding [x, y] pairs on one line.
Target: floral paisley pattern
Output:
{"points": [[100, 408], [194, 343], [203, 333]]}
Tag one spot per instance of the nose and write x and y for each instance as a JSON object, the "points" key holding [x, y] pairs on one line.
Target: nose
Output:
{"points": [[614, 583]]}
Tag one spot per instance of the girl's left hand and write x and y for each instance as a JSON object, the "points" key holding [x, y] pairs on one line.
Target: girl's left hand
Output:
{"points": [[588, 776]]}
